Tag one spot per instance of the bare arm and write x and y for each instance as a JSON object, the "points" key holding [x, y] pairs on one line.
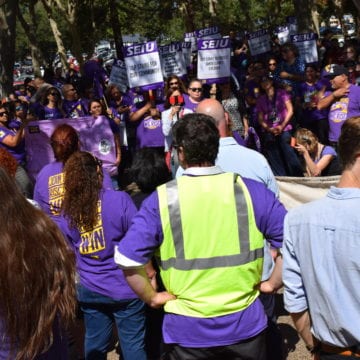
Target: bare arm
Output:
{"points": [[137, 115], [14, 140], [139, 282], [314, 169], [274, 283], [302, 324]]}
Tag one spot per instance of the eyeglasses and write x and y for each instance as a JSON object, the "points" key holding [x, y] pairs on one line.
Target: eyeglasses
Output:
{"points": [[4, 113], [53, 93], [173, 83], [19, 108], [196, 89]]}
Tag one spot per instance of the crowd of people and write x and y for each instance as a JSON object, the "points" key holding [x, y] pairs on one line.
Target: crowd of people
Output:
{"points": [[198, 205]]}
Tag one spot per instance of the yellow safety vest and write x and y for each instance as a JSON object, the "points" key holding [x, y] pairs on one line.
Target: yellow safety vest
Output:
{"points": [[211, 257]]}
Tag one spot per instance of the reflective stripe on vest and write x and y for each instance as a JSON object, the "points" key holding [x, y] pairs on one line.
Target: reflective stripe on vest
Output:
{"points": [[212, 253], [179, 262]]}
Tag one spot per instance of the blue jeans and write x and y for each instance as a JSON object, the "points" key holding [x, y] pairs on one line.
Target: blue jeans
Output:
{"points": [[282, 157], [99, 314]]}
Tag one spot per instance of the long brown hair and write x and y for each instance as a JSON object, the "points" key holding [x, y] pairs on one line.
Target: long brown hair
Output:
{"points": [[83, 181], [37, 274]]}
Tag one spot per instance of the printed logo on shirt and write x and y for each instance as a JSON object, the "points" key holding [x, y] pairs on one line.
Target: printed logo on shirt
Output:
{"points": [[2, 133], [56, 192], [94, 240], [338, 110], [151, 124]]}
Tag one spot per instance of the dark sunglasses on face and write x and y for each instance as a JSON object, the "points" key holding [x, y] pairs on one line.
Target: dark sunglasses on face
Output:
{"points": [[19, 108], [4, 113], [272, 64], [54, 93], [196, 89], [173, 83]]}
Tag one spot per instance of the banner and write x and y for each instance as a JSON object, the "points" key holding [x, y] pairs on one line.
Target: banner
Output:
{"points": [[143, 65], [295, 191], [172, 60], [306, 44], [118, 75], [95, 136], [214, 60], [259, 42]]}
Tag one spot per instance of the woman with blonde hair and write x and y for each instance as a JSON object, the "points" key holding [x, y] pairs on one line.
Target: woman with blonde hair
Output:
{"points": [[318, 159], [37, 280]]}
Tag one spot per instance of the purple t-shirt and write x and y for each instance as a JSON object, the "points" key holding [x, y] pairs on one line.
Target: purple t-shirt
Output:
{"points": [[49, 187], [308, 93], [18, 151], [94, 249], [46, 113], [343, 109], [265, 106], [189, 104], [145, 236], [75, 108]]}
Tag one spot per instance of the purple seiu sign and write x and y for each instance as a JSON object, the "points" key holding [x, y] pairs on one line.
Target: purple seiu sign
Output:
{"points": [[95, 136], [143, 66]]}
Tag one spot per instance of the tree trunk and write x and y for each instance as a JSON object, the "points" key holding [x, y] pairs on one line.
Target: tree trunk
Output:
{"points": [[70, 15], [30, 31], [7, 45], [187, 9], [116, 27], [304, 15], [56, 32]]}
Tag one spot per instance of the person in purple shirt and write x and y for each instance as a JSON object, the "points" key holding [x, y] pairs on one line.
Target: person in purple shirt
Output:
{"points": [[51, 105], [344, 101], [194, 95], [94, 220], [147, 115], [73, 106], [49, 186], [37, 276], [240, 333]]}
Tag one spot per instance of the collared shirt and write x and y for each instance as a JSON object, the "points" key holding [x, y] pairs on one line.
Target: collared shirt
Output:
{"points": [[145, 236], [322, 265]]}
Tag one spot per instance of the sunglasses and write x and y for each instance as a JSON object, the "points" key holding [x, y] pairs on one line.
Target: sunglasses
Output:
{"points": [[19, 108], [173, 83], [272, 64], [4, 113], [54, 93], [196, 89]]}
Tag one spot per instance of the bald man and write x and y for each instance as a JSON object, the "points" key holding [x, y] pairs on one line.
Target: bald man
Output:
{"points": [[232, 156]]}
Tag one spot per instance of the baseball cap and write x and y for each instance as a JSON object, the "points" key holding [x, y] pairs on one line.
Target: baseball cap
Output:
{"points": [[335, 70]]}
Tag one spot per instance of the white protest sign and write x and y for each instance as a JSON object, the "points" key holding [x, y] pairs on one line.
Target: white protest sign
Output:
{"points": [[213, 59], [143, 65], [283, 34], [172, 60], [259, 42], [118, 75], [306, 43], [208, 33], [186, 51], [191, 37]]}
